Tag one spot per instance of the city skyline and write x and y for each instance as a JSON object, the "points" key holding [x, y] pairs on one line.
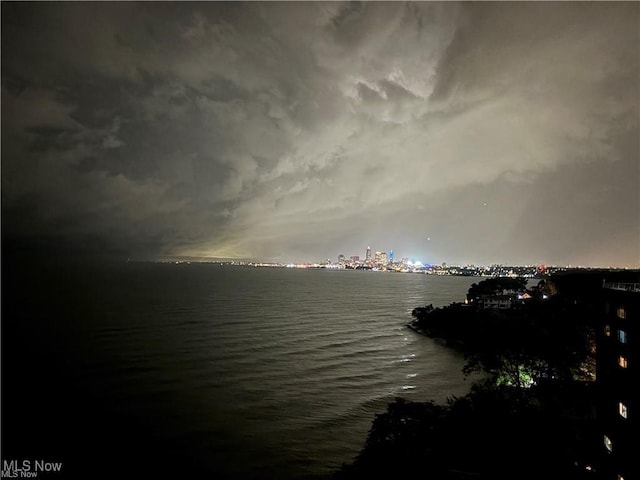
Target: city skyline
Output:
{"points": [[460, 132]]}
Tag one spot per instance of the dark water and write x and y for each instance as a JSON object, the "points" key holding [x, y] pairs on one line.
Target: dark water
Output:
{"points": [[217, 371]]}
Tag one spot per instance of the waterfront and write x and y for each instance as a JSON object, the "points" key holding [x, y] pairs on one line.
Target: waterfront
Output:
{"points": [[218, 370]]}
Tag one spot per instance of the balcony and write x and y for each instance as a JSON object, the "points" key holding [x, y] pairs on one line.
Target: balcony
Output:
{"points": [[625, 287]]}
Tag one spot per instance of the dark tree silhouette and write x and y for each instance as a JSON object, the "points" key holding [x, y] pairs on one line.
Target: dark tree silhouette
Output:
{"points": [[496, 286], [521, 347]]}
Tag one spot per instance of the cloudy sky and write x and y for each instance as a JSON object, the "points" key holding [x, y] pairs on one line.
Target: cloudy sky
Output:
{"points": [[446, 132]]}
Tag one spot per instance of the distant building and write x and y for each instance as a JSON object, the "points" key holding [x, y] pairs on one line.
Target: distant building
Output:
{"points": [[380, 258], [354, 258], [341, 258], [617, 378], [368, 255], [501, 302]]}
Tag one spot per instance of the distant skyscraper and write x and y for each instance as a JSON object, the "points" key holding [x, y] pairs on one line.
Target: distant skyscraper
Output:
{"points": [[368, 255], [391, 256], [380, 258]]}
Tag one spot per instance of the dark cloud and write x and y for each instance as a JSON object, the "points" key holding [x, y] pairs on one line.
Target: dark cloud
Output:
{"points": [[503, 132]]}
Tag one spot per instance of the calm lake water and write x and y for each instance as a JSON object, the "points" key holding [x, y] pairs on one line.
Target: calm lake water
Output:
{"points": [[143, 369]]}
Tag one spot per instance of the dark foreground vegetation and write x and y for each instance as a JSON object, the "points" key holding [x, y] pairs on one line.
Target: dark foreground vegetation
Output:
{"points": [[532, 415], [491, 433]]}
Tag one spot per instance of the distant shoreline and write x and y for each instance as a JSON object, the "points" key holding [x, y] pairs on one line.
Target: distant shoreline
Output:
{"points": [[512, 271]]}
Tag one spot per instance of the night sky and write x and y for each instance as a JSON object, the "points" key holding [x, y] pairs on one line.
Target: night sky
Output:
{"points": [[447, 132]]}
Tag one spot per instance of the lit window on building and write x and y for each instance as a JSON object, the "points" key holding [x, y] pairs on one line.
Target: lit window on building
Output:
{"points": [[622, 361], [622, 336], [622, 409], [607, 443], [621, 313], [607, 330]]}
